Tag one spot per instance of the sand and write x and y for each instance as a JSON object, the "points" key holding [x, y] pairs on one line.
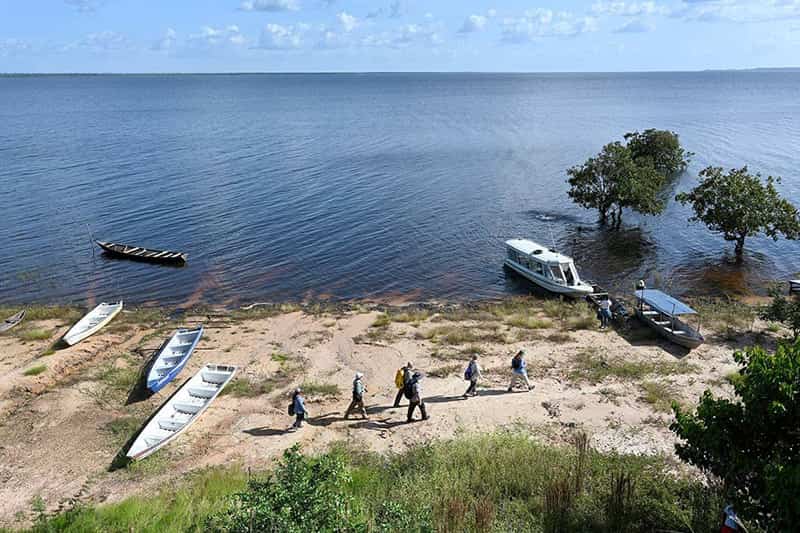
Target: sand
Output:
{"points": [[61, 430]]}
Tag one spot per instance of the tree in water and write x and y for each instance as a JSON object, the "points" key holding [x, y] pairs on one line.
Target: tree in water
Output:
{"points": [[738, 205], [660, 149], [612, 180], [752, 442]]}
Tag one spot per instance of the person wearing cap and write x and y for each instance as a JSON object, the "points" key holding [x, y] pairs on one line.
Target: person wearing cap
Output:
{"points": [[402, 377], [519, 371], [358, 396], [416, 398], [472, 374], [299, 409]]}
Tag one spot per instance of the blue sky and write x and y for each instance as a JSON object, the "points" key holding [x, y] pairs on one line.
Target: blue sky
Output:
{"points": [[396, 35]]}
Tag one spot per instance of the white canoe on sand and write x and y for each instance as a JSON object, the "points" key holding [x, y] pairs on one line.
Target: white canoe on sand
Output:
{"points": [[11, 321], [181, 409], [92, 322]]}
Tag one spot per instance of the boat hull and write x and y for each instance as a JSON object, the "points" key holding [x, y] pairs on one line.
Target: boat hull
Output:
{"points": [[12, 321], [91, 323], [156, 382], [575, 291], [691, 341], [144, 255]]}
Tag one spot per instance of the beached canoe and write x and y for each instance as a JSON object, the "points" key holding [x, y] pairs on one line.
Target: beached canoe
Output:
{"points": [[172, 357], [93, 322], [11, 321], [665, 314], [181, 409], [137, 253]]}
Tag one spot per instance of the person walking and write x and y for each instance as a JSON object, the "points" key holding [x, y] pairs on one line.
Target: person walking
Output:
{"points": [[604, 312], [402, 377], [298, 409], [472, 374], [358, 397], [519, 371], [415, 398]]}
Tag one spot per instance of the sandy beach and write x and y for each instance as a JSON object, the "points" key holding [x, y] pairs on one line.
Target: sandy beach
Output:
{"points": [[63, 427]]}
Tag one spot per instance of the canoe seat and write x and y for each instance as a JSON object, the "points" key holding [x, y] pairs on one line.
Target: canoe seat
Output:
{"points": [[662, 322], [187, 407], [650, 313], [215, 377], [679, 332], [202, 392], [170, 425]]}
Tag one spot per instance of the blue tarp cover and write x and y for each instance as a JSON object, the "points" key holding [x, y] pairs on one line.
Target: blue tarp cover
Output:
{"points": [[664, 302]]}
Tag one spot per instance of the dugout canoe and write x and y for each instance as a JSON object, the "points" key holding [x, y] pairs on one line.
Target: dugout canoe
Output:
{"points": [[138, 253]]}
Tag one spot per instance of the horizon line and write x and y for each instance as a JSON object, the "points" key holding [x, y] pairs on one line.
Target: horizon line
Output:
{"points": [[330, 72]]}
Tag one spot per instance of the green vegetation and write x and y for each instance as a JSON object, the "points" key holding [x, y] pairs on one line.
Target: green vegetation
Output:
{"points": [[752, 441], [34, 334], [591, 366], [784, 311], [729, 316], [659, 395], [528, 322], [382, 321], [316, 388], [35, 370], [738, 205], [482, 483], [659, 149], [122, 428], [445, 371], [457, 335], [244, 387]]}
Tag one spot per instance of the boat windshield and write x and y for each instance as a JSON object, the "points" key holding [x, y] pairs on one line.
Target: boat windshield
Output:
{"points": [[557, 274], [569, 273]]}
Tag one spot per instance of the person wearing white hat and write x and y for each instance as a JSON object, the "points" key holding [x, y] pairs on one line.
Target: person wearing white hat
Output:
{"points": [[358, 396]]}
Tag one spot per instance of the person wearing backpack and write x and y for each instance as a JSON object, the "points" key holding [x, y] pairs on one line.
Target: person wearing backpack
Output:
{"points": [[472, 374], [519, 371], [402, 377], [298, 409], [358, 397], [413, 391]]}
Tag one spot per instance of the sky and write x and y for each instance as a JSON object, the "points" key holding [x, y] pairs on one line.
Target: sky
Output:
{"points": [[396, 35]]}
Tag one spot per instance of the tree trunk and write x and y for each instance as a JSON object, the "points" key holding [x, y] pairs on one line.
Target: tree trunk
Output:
{"points": [[603, 215], [619, 217], [739, 248]]}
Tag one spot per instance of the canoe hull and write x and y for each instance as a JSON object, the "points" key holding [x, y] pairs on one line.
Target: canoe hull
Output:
{"points": [[159, 375], [12, 321], [181, 410], [691, 341], [145, 255], [92, 322]]}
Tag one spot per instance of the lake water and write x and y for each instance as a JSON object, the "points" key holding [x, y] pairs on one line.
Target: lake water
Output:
{"points": [[364, 186]]}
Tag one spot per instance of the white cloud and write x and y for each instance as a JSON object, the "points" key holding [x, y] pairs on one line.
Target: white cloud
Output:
{"points": [[10, 47], [491, 13], [85, 6], [635, 26], [348, 21], [167, 41], [473, 23], [538, 23], [103, 40], [278, 37], [269, 5], [211, 36], [629, 9]]}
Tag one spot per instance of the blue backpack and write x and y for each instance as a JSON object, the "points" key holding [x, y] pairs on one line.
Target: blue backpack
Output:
{"points": [[468, 372]]}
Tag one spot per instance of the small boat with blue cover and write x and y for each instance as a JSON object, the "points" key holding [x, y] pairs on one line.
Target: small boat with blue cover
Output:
{"points": [[663, 313], [172, 357]]}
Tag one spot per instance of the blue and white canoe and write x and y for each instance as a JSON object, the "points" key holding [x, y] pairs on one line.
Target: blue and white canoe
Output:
{"points": [[172, 357]]}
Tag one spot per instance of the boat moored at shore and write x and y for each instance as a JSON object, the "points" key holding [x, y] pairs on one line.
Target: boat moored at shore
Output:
{"points": [[548, 269], [661, 312], [172, 357], [92, 322]]}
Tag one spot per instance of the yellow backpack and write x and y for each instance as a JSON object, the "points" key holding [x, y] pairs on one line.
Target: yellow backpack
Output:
{"points": [[398, 379]]}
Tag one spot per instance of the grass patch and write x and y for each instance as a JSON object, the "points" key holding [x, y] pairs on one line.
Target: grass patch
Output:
{"points": [[316, 388], [659, 395], [35, 370], [496, 482], [559, 337], [382, 321], [473, 349], [457, 335], [265, 311], [444, 371], [243, 387], [589, 365], [34, 334], [45, 312], [279, 357], [415, 316], [121, 429], [528, 322], [726, 315]]}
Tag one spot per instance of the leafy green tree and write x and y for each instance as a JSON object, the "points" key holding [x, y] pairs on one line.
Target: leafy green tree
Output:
{"points": [[784, 311], [660, 149], [303, 494], [752, 442], [612, 180], [739, 205]]}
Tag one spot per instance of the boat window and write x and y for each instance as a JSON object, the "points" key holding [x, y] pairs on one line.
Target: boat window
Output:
{"points": [[568, 274], [556, 271], [512, 255], [538, 269]]}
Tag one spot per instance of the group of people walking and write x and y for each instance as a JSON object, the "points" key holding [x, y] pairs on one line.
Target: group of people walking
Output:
{"points": [[408, 382]]}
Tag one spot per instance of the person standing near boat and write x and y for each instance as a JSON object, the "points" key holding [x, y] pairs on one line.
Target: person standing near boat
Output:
{"points": [[402, 377], [358, 397], [298, 409], [472, 374], [413, 391], [519, 371], [604, 312]]}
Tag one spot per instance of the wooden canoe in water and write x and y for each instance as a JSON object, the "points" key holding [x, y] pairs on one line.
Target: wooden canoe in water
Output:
{"points": [[181, 409], [172, 357], [92, 322], [11, 321], [137, 253]]}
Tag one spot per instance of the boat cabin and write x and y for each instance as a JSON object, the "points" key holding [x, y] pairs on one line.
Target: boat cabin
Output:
{"points": [[550, 269]]}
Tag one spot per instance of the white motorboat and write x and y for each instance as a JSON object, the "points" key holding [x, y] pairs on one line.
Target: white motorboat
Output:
{"points": [[93, 322], [548, 269]]}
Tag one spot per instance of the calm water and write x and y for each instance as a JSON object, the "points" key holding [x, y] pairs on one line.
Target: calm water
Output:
{"points": [[312, 186]]}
